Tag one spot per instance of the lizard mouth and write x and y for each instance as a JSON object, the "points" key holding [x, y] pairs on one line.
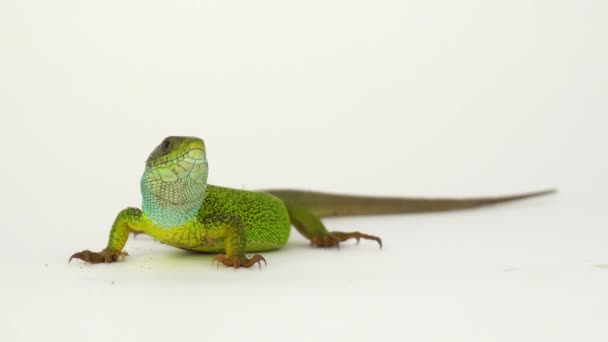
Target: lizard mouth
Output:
{"points": [[194, 155]]}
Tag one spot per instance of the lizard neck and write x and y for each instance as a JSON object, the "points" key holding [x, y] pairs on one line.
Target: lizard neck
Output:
{"points": [[173, 192]]}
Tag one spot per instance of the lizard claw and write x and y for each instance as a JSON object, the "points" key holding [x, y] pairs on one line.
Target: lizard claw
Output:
{"points": [[237, 262], [106, 256]]}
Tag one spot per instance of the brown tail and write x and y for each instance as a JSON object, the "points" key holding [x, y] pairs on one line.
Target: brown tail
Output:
{"points": [[324, 204]]}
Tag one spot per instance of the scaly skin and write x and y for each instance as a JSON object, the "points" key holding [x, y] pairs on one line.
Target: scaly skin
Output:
{"points": [[180, 209], [264, 218]]}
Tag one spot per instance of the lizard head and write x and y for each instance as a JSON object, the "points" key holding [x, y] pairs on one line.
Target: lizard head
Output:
{"points": [[174, 182], [176, 149]]}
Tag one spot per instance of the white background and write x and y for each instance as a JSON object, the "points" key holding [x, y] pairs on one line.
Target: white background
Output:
{"points": [[427, 98]]}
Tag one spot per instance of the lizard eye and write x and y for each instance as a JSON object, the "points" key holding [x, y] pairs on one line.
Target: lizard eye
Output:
{"points": [[166, 145]]}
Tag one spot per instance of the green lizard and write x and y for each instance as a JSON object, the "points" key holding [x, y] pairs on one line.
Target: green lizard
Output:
{"points": [[180, 209]]}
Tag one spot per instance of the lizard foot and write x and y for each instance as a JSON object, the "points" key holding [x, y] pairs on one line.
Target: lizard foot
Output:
{"points": [[333, 239], [103, 256], [237, 262]]}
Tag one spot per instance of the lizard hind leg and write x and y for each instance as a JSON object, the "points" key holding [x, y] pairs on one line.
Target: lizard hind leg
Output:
{"points": [[311, 227]]}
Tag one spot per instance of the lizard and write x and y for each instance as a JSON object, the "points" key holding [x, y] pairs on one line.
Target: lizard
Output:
{"points": [[180, 209]]}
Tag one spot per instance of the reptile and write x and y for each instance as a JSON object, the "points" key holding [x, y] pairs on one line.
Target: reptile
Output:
{"points": [[180, 209]]}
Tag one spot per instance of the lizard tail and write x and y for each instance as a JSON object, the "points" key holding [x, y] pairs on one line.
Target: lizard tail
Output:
{"points": [[325, 204]]}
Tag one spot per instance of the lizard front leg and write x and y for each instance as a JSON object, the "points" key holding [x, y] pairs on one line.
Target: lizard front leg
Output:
{"points": [[230, 229], [127, 221]]}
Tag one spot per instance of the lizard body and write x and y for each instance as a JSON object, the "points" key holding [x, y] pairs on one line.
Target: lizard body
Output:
{"points": [[180, 209]]}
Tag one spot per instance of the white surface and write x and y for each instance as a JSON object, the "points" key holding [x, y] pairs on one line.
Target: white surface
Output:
{"points": [[373, 97]]}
